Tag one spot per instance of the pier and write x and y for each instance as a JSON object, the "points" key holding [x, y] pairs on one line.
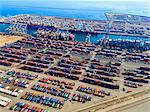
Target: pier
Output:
{"points": [[18, 29], [119, 24]]}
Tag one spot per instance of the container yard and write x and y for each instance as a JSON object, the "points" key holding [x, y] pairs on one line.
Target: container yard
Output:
{"points": [[43, 74]]}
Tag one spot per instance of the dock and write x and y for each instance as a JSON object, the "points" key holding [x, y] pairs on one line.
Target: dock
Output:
{"points": [[18, 29], [124, 26]]}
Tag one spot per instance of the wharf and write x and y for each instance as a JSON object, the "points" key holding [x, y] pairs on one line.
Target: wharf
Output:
{"points": [[117, 27]]}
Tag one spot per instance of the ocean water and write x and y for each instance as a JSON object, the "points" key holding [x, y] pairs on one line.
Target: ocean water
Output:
{"points": [[83, 9]]}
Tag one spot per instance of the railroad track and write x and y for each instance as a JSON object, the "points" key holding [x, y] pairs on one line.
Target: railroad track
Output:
{"points": [[105, 104], [130, 105]]}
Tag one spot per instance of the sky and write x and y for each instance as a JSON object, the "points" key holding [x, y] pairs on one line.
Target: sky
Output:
{"points": [[81, 0], [146, 1]]}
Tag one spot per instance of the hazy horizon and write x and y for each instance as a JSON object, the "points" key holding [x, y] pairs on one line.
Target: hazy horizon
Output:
{"points": [[74, 8]]}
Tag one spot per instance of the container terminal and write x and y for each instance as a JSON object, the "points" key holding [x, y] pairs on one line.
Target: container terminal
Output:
{"points": [[52, 72]]}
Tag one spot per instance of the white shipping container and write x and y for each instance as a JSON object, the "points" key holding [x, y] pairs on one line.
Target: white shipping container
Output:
{"points": [[5, 91], [2, 103], [7, 87], [5, 99], [20, 91], [15, 93]]}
